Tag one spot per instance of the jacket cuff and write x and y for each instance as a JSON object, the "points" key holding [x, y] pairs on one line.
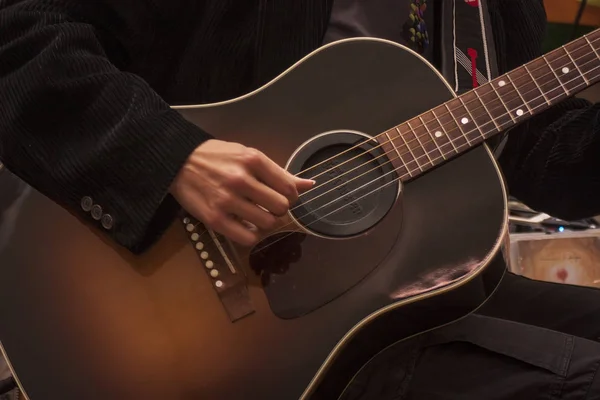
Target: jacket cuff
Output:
{"points": [[137, 213]]}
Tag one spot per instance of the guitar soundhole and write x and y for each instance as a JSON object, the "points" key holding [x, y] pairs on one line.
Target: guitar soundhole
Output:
{"points": [[356, 184]]}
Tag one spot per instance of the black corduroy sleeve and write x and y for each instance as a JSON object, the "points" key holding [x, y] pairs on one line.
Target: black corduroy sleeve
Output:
{"points": [[552, 163], [80, 130]]}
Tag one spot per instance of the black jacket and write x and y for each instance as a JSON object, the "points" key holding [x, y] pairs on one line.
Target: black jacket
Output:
{"points": [[85, 89]]}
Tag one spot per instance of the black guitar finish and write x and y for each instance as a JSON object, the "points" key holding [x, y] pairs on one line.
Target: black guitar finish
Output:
{"points": [[83, 319]]}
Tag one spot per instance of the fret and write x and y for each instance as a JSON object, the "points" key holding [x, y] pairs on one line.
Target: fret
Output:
{"points": [[425, 128], [480, 114], [574, 62], [403, 151], [451, 128], [511, 98], [566, 71], [592, 46], [516, 89], [553, 72], [407, 149], [547, 80], [393, 154], [528, 89], [467, 120], [535, 95], [594, 40], [494, 105], [587, 59], [415, 146], [467, 126], [478, 130], [458, 125], [427, 139], [494, 84], [412, 135], [442, 141]]}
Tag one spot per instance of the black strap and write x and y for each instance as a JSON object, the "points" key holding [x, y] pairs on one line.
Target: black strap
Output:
{"points": [[534, 345], [468, 52], [468, 49]]}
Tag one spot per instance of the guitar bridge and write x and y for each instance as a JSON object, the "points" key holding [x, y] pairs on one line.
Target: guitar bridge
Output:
{"points": [[228, 281]]}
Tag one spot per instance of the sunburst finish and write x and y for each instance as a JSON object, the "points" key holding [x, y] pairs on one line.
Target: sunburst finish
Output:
{"points": [[84, 319]]}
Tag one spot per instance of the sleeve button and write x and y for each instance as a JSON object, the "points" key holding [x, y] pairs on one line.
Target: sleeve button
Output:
{"points": [[86, 203], [107, 221], [96, 212]]}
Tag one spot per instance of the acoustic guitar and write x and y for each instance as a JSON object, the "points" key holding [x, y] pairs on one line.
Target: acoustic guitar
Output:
{"points": [[404, 231]]}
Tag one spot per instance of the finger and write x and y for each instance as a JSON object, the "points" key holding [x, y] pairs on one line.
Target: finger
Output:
{"points": [[253, 214], [236, 231], [218, 221], [302, 185], [262, 195], [277, 178]]}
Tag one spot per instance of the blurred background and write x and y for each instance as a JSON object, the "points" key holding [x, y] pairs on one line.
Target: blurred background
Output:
{"points": [[569, 19]]}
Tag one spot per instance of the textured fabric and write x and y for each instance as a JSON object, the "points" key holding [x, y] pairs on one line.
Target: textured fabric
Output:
{"points": [[85, 89], [13, 394], [408, 22], [7, 383], [4, 370], [546, 350], [550, 162]]}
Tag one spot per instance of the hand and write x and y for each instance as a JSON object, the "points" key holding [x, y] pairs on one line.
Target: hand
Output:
{"points": [[224, 184]]}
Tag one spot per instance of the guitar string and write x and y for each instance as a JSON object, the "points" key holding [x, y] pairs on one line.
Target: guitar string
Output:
{"points": [[367, 194], [587, 44], [438, 149], [437, 118], [423, 143], [478, 98], [409, 173], [400, 177]]}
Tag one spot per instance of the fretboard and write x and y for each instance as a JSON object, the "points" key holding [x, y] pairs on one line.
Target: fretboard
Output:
{"points": [[466, 121]]}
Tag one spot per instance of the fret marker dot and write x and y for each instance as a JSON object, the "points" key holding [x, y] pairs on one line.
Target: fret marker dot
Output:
{"points": [[465, 120], [565, 70], [520, 112], [501, 83], [438, 134]]}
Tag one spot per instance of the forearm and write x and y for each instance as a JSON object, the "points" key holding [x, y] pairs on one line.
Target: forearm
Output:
{"points": [[74, 125]]}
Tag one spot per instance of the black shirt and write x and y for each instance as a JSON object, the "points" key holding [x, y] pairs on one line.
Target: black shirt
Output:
{"points": [[408, 22]]}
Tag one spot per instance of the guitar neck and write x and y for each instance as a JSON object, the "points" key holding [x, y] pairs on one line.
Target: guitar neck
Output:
{"points": [[466, 121]]}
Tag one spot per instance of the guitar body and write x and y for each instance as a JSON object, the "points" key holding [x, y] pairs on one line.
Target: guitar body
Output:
{"points": [[298, 315]]}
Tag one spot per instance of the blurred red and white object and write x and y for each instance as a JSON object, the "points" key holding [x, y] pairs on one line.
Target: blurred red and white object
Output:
{"points": [[569, 257]]}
